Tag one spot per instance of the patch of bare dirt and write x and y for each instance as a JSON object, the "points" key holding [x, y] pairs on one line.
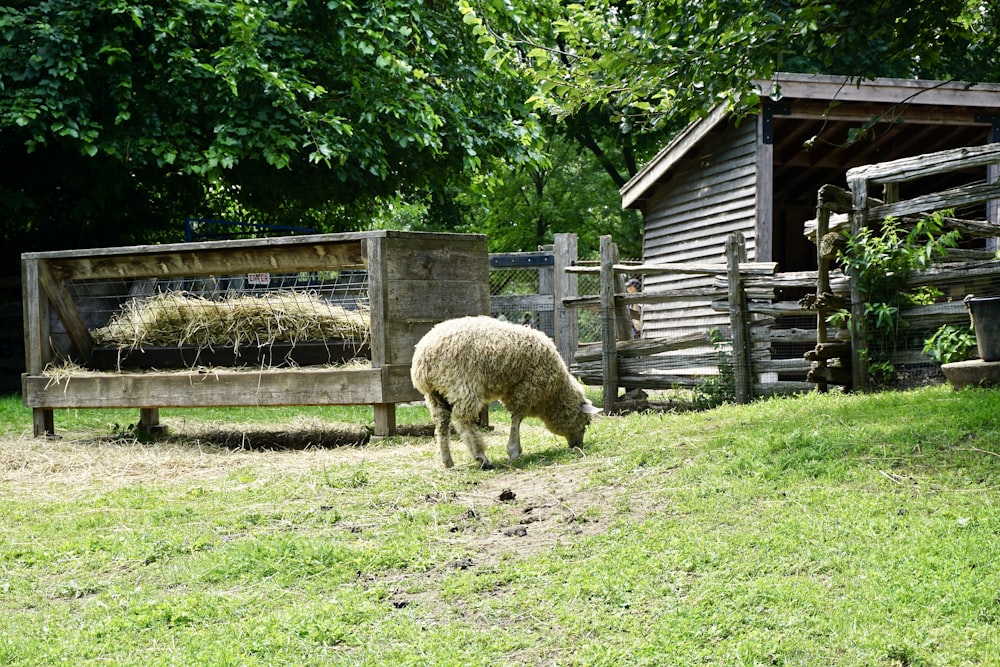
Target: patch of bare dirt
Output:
{"points": [[541, 508]]}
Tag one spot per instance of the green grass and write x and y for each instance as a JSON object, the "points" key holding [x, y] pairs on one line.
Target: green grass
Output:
{"points": [[818, 530]]}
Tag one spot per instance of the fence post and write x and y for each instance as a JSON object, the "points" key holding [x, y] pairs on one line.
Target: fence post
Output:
{"points": [[565, 323], [546, 287], [858, 328], [609, 327], [736, 252], [822, 285]]}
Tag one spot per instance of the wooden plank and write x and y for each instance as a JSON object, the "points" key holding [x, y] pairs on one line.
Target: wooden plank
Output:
{"points": [[609, 327], [685, 268], [782, 366], [834, 199], [688, 228], [662, 162], [428, 260], [782, 388], [43, 421], [933, 316], [62, 302], [822, 280], [793, 335], [710, 189], [566, 324], [645, 346], [397, 385], [378, 301], [149, 420], [936, 201], [763, 224], [262, 258], [736, 253], [859, 329], [882, 90], [385, 420], [965, 272], [637, 366], [434, 301], [927, 164], [218, 388], [779, 309], [35, 308], [647, 381]]}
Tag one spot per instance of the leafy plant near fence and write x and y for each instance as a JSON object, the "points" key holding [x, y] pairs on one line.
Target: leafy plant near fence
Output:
{"points": [[950, 344], [881, 261], [718, 389]]}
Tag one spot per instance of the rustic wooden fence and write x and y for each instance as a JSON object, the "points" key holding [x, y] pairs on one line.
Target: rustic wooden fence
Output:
{"points": [[748, 345], [959, 273], [762, 328]]}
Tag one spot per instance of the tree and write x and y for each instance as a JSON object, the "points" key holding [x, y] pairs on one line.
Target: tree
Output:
{"points": [[652, 63], [520, 206], [117, 118]]}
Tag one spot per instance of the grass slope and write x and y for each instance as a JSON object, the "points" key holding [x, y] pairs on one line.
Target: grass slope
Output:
{"points": [[818, 530]]}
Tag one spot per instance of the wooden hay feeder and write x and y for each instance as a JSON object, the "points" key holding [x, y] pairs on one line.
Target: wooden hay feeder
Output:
{"points": [[404, 281]]}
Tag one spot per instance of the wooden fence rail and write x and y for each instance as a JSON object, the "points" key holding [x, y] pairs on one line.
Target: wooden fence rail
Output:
{"points": [[744, 290]]}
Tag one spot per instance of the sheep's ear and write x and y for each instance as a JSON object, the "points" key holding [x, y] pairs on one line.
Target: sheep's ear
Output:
{"points": [[589, 409]]}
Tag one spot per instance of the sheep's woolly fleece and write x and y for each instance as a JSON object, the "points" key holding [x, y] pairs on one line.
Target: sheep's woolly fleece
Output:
{"points": [[472, 355], [468, 362]]}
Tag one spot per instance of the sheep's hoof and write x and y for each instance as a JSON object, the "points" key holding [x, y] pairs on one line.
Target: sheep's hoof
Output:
{"points": [[487, 465]]}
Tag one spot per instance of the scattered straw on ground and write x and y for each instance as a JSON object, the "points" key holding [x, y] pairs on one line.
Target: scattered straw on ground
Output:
{"points": [[195, 450]]}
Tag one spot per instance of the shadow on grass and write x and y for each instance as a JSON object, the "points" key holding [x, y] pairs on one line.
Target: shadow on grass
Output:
{"points": [[268, 438]]}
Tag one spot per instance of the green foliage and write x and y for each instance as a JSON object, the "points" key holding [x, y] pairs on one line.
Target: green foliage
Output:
{"points": [[881, 261], [718, 389], [521, 205], [950, 344], [116, 113], [653, 62]]}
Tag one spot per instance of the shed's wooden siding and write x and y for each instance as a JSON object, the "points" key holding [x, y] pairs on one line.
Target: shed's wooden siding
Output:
{"points": [[689, 219]]}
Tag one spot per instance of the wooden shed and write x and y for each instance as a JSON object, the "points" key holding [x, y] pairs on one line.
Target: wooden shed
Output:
{"points": [[759, 174]]}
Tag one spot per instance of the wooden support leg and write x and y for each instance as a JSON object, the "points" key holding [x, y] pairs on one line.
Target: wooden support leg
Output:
{"points": [[385, 420], [44, 421], [149, 421]]}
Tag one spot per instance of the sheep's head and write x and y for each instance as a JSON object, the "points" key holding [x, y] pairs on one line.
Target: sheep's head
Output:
{"points": [[579, 423]]}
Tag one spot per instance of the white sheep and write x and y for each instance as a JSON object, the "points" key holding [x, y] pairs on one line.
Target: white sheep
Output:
{"points": [[461, 365]]}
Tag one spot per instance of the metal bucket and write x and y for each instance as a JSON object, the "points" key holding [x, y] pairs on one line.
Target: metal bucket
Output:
{"points": [[985, 311]]}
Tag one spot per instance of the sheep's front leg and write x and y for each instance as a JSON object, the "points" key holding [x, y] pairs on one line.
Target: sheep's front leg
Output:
{"points": [[514, 441]]}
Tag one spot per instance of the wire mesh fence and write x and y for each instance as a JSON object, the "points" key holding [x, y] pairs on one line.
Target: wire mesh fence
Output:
{"points": [[517, 287], [257, 318]]}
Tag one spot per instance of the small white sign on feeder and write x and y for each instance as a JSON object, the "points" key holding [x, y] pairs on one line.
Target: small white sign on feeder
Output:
{"points": [[257, 279]]}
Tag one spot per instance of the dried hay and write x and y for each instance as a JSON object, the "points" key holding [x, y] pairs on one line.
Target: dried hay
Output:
{"points": [[191, 450], [181, 318]]}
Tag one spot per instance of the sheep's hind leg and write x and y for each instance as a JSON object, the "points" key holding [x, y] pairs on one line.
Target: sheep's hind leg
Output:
{"points": [[514, 441], [474, 441], [441, 415], [465, 415]]}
